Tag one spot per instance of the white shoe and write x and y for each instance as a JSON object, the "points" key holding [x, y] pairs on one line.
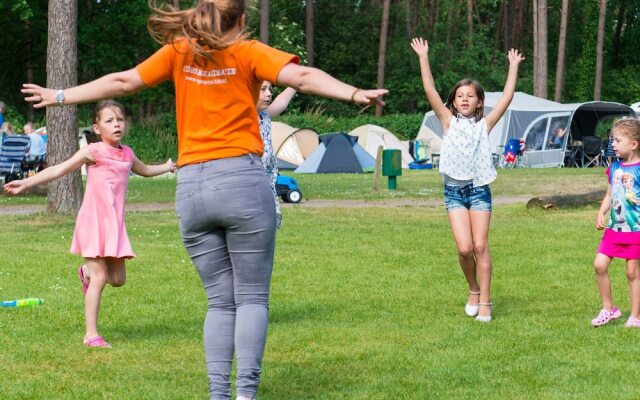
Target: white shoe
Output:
{"points": [[483, 318], [472, 309]]}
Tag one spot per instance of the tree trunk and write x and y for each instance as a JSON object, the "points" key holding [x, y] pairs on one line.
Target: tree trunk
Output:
{"points": [[383, 49], [561, 51], [540, 81], [617, 38], [264, 21], [310, 33], [599, 51], [28, 63], [567, 201], [535, 44], [176, 4], [469, 23], [65, 194]]}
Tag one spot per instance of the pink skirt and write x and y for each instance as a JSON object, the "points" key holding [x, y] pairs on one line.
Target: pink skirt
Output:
{"points": [[627, 251]]}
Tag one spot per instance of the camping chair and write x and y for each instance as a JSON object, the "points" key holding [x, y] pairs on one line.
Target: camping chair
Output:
{"points": [[591, 151], [12, 154]]}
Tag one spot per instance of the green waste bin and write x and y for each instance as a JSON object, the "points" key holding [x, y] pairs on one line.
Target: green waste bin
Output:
{"points": [[392, 166]]}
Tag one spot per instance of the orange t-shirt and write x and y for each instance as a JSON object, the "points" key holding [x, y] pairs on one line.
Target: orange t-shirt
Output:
{"points": [[216, 100]]}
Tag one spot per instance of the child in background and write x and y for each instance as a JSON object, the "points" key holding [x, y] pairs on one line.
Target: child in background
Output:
{"points": [[100, 234], [266, 110], [466, 166], [621, 237]]}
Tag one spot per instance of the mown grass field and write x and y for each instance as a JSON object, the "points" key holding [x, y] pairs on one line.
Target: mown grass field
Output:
{"points": [[367, 303]]}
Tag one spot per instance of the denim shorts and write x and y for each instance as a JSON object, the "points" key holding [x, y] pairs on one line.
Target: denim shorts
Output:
{"points": [[469, 197]]}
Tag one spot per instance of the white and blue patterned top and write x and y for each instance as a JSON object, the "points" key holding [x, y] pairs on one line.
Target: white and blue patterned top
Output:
{"points": [[269, 160], [465, 153]]}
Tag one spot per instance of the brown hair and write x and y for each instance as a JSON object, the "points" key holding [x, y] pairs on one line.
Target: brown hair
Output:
{"points": [[479, 92], [207, 25], [630, 127], [95, 115]]}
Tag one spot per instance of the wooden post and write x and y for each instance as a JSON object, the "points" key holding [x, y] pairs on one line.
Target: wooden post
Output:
{"points": [[376, 172]]}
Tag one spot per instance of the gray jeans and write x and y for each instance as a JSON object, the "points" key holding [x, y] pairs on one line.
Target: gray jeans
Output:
{"points": [[227, 222]]}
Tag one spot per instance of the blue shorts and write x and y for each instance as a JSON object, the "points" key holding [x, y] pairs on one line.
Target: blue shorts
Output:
{"points": [[469, 197]]}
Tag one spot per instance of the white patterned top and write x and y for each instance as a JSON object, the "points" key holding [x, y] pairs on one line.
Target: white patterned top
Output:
{"points": [[465, 153]]}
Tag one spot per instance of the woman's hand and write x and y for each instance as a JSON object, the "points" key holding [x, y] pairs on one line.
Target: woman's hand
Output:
{"points": [[171, 166], [420, 46], [369, 97], [39, 97], [515, 57]]}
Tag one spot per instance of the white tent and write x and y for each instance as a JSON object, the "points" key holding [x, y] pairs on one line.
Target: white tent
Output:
{"points": [[372, 136], [291, 144], [534, 120]]}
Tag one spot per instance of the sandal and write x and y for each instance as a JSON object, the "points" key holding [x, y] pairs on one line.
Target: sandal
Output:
{"points": [[97, 341], [485, 318], [85, 285], [472, 309]]}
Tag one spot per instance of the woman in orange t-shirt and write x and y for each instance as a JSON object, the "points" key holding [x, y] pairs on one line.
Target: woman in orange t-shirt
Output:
{"points": [[223, 199]]}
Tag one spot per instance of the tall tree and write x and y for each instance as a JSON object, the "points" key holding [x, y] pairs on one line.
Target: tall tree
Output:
{"points": [[597, 88], [64, 193], [264, 21], [469, 23], [383, 49], [557, 95], [540, 51], [309, 28]]}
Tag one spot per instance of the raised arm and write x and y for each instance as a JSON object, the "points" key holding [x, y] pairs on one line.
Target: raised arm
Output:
{"points": [[507, 93], [421, 47], [314, 81], [117, 84], [281, 102], [145, 170], [81, 157]]}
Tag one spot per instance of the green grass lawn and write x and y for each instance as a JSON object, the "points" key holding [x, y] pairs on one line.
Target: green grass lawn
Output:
{"points": [[424, 184], [366, 304]]}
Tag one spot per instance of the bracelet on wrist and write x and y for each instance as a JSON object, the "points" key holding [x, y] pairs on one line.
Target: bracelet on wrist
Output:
{"points": [[353, 95]]}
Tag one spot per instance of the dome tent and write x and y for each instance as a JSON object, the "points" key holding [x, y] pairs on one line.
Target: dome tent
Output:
{"points": [[370, 137], [337, 153]]}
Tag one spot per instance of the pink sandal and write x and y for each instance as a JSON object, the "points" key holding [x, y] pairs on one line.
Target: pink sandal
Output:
{"points": [[85, 285], [97, 341]]}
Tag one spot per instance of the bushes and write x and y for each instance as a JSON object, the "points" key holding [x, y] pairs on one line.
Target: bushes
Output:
{"points": [[154, 139]]}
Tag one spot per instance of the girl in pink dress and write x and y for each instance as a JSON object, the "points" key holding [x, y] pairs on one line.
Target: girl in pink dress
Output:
{"points": [[621, 237], [100, 235]]}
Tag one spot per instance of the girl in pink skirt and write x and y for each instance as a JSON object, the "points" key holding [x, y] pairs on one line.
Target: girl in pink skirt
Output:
{"points": [[100, 235], [621, 237]]}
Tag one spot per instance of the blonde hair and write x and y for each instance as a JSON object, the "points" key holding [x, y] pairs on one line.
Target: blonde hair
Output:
{"points": [[207, 26], [630, 127]]}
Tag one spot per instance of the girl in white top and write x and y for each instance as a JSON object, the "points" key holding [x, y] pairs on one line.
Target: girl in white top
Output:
{"points": [[467, 169]]}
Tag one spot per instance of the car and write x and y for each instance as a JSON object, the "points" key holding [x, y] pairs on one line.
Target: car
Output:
{"points": [[288, 190]]}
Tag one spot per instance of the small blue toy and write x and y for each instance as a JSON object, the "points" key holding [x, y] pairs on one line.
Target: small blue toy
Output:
{"points": [[288, 189]]}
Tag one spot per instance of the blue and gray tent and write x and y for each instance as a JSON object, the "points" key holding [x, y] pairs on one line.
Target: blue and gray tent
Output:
{"points": [[338, 153]]}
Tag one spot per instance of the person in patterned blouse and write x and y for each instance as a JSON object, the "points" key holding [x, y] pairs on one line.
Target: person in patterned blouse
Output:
{"points": [[267, 109]]}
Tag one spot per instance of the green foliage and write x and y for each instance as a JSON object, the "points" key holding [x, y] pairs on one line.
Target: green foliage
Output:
{"points": [[154, 139]]}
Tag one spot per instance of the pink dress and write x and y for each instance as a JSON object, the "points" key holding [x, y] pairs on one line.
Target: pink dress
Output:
{"points": [[100, 229]]}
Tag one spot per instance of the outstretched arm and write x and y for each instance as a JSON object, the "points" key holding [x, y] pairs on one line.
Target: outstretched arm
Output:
{"points": [[314, 81], [507, 93], [421, 47], [281, 102], [109, 86], [81, 157], [145, 170]]}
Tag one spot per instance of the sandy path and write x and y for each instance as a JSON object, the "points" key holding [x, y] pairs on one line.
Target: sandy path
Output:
{"points": [[386, 203]]}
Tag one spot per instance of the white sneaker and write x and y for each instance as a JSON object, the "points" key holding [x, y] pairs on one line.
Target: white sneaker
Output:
{"points": [[472, 309]]}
